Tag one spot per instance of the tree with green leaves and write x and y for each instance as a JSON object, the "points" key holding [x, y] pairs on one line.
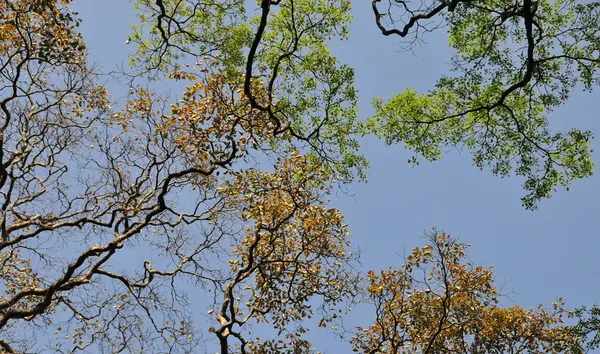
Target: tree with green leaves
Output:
{"points": [[513, 63], [587, 327]]}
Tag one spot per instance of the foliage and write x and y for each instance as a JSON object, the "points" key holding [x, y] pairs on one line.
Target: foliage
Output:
{"points": [[587, 327], [309, 95], [169, 185], [121, 218], [293, 249], [440, 303], [514, 63]]}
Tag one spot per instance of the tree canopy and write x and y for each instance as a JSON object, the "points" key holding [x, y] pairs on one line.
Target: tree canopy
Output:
{"points": [[513, 64], [121, 215]]}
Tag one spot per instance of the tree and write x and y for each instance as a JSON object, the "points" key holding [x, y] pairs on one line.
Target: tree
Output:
{"points": [[440, 303], [184, 190], [309, 97], [85, 185], [513, 64], [294, 250], [588, 327]]}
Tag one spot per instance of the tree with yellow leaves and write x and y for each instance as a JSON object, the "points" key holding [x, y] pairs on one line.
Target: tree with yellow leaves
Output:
{"points": [[168, 186], [439, 302], [293, 249]]}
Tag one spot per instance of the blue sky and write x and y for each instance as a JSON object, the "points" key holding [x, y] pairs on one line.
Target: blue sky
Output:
{"points": [[541, 255]]}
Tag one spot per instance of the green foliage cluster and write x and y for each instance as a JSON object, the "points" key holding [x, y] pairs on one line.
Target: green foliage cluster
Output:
{"points": [[284, 44], [513, 64]]}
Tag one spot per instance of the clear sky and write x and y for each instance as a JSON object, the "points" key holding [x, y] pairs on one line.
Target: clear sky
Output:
{"points": [[541, 255]]}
